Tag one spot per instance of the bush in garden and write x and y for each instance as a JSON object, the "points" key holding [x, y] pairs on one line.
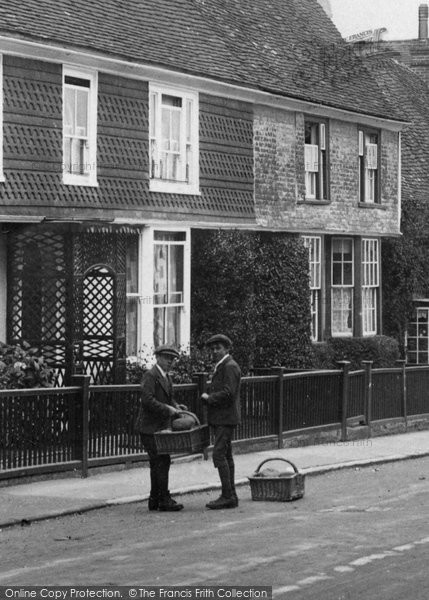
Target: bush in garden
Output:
{"points": [[23, 367], [254, 288], [222, 290], [381, 349], [282, 303]]}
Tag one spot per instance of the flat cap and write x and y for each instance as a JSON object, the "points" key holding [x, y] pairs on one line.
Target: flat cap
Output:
{"points": [[219, 338], [168, 350]]}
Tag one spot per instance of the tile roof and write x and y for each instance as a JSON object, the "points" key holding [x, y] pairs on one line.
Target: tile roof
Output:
{"points": [[287, 47]]}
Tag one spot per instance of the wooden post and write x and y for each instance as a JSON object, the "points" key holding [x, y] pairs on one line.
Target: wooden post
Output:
{"points": [[367, 365], [83, 382], [201, 380], [345, 388], [279, 371], [401, 363]]}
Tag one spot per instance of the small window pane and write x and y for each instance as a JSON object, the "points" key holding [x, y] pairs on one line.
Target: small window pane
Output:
{"points": [[132, 265], [153, 113], [170, 236], [81, 112], [176, 274], [336, 274], [132, 325], [175, 131], [166, 326], [160, 283], [348, 274], [171, 101], [69, 100]]}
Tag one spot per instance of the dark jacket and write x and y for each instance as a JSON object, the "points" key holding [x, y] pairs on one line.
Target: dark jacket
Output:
{"points": [[223, 403], [156, 394]]}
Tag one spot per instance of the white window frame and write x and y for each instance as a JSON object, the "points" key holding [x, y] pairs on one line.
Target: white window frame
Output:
{"points": [[315, 162], [370, 285], [342, 287], [421, 337], [368, 174], [314, 247], [145, 294], [1, 119], [188, 138], [90, 178]]}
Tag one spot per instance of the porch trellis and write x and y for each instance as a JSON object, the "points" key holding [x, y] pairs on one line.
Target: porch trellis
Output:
{"points": [[67, 296]]}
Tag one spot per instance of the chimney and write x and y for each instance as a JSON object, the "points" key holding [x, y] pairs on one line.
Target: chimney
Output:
{"points": [[423, 21]]}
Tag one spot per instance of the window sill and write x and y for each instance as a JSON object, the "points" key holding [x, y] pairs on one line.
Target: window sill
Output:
{"points": [[342, 335], [313, 201], [371, 205], [171, 187], [80, 181]]}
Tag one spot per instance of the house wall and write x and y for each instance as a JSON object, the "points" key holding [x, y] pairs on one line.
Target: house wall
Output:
{"points": [[3, 287], [280, 180], [33, 152]]}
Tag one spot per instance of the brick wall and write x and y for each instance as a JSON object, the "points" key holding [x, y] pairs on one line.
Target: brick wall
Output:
{"points": [[279, 178]]}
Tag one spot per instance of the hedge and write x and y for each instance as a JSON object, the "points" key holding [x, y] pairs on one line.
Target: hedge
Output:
{"points": [[254, 288]]}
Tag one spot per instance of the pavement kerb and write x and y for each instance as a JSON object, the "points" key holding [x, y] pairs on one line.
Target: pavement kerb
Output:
{"points": [[310, 471]]}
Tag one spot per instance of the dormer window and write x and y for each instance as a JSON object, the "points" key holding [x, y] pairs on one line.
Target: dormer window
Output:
{"points": [[173, 133], [79, 127], [316, 183]]}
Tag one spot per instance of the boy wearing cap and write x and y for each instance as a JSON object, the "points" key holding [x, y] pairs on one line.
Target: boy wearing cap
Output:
{"points": [[156, 409], [223, 414]]}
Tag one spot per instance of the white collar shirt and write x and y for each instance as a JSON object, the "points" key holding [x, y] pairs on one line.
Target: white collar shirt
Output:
{"points": [[220, 362], [163, 373]]}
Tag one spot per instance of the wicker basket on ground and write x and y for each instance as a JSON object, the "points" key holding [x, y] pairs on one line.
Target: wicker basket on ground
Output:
{"points": [[277, 489]]}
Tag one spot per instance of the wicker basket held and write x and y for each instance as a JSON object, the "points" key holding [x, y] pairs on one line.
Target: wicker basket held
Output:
{"points": [[277, 489], [190, 441]]}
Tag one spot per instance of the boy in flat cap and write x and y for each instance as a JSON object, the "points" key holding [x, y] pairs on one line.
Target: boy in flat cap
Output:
{"points": [[223, 413], [156, 409]]}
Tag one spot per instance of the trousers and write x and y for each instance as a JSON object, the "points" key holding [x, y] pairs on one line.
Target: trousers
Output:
{"points": [[159, 467]]}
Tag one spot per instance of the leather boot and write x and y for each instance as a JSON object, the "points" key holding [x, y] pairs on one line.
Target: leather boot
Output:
{"points": [[226, 499], [232, 480], [166, 502], [153, 500]]}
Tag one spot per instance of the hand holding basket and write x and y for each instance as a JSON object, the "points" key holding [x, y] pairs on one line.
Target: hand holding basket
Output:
{"points": [[184, 441]]}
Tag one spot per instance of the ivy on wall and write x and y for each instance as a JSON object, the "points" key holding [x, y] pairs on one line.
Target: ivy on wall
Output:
{"points": [[405, 269], [254, 288]]}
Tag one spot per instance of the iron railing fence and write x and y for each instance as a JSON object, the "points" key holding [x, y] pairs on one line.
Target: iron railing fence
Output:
{"points": [[387, 400], [311, 399], [40, 426], [80, 426], [112, 410], [259, 399], [417, 390]]}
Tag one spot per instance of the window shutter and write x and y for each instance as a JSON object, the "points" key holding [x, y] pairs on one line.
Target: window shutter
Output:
{"points": [[322, 135], [360, 143], [371, 156], [311, 158]]}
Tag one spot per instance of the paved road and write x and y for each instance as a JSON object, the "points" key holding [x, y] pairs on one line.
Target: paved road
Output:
{"points": [[357, 534]]}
